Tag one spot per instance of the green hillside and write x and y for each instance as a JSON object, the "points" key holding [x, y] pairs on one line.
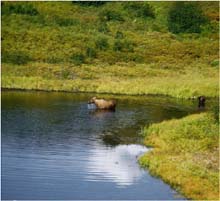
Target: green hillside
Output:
{"points": [[112, 47]]}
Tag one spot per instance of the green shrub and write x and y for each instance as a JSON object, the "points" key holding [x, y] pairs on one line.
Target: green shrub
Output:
{"points": [[123, 45], [140, 9], [53, 60], [215, 112], [90, 52], [136, 58], [65, 74], [103, 28], [18, 8], [211, 27], [110, 15], [77, 58], [215, 63], [102, 43], [90, 3], [128, 46], [65, 21], [185, 17], [118, 45], [119, 35], [19, 58], [52, 21], [38, 19]]}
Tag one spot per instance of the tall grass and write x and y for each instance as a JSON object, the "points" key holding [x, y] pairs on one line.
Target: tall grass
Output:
{"points": [[114, 79], [186, 155]]}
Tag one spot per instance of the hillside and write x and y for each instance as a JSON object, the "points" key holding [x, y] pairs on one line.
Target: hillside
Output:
{"points": [[112, 47]]}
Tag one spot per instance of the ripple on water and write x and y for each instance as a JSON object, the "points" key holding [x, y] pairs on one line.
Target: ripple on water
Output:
{"points": [[53, 147]]}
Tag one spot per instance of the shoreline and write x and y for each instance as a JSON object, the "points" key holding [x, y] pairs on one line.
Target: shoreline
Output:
{"points": [[184, 155], [103, 93]]}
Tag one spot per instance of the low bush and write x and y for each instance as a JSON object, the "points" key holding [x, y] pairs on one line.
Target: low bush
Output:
{"points": [[103, 28], [185, 17], [136, 58], [18, 8], [118, 45], [119, 35], [77, 58], [65, 21], [110, 15], [52, 21], [102, 43], [65, 74], [38, 19], [123, 45], [140, 9], [211, 27], [19, 58], [90, 52], [90, 3], [53, 60], [215, 63]]}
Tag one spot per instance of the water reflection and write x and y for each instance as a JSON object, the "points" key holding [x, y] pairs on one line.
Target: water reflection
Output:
{"points": [[101, 113], [118, 164]]}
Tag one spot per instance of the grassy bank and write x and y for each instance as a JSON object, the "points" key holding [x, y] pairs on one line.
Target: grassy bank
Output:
{"points": [[115, 79], [186, 155]]}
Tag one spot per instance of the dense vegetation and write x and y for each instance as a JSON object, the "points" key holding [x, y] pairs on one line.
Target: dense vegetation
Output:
{"points": [[185, 154], [186, 17], [80, 46], [169, 48]]}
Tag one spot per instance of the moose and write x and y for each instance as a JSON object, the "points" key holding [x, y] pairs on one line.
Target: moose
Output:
{"points": [[103, 103]]}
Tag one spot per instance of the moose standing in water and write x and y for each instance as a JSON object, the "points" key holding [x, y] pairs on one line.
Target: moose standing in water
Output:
{"points": [[103, 103]]}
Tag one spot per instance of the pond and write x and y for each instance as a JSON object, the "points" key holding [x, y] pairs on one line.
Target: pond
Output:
{"points": [[54, 147]]}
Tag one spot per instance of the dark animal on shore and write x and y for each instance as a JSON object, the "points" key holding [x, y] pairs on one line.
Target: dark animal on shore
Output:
{"points": [[201, 100], [103, 103]]}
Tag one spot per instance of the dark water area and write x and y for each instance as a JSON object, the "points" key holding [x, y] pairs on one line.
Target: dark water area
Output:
{"points": [[53, 147]]}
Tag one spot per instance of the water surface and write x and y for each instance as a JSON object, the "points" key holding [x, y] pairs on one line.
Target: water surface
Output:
{"points": [[53, 147]]}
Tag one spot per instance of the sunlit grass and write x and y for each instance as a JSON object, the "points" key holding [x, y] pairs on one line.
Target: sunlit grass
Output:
{"points": [[116, 79], [186, 155]]}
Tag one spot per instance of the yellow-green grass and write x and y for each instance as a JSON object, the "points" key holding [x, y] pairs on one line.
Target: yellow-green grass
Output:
{"points": [[142, 79], [185, 154], [52, 50]]}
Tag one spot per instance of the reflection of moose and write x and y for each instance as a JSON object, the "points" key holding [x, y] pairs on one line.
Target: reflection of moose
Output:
{"points": [[201, 100], [103, 104], [101, 114]]}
